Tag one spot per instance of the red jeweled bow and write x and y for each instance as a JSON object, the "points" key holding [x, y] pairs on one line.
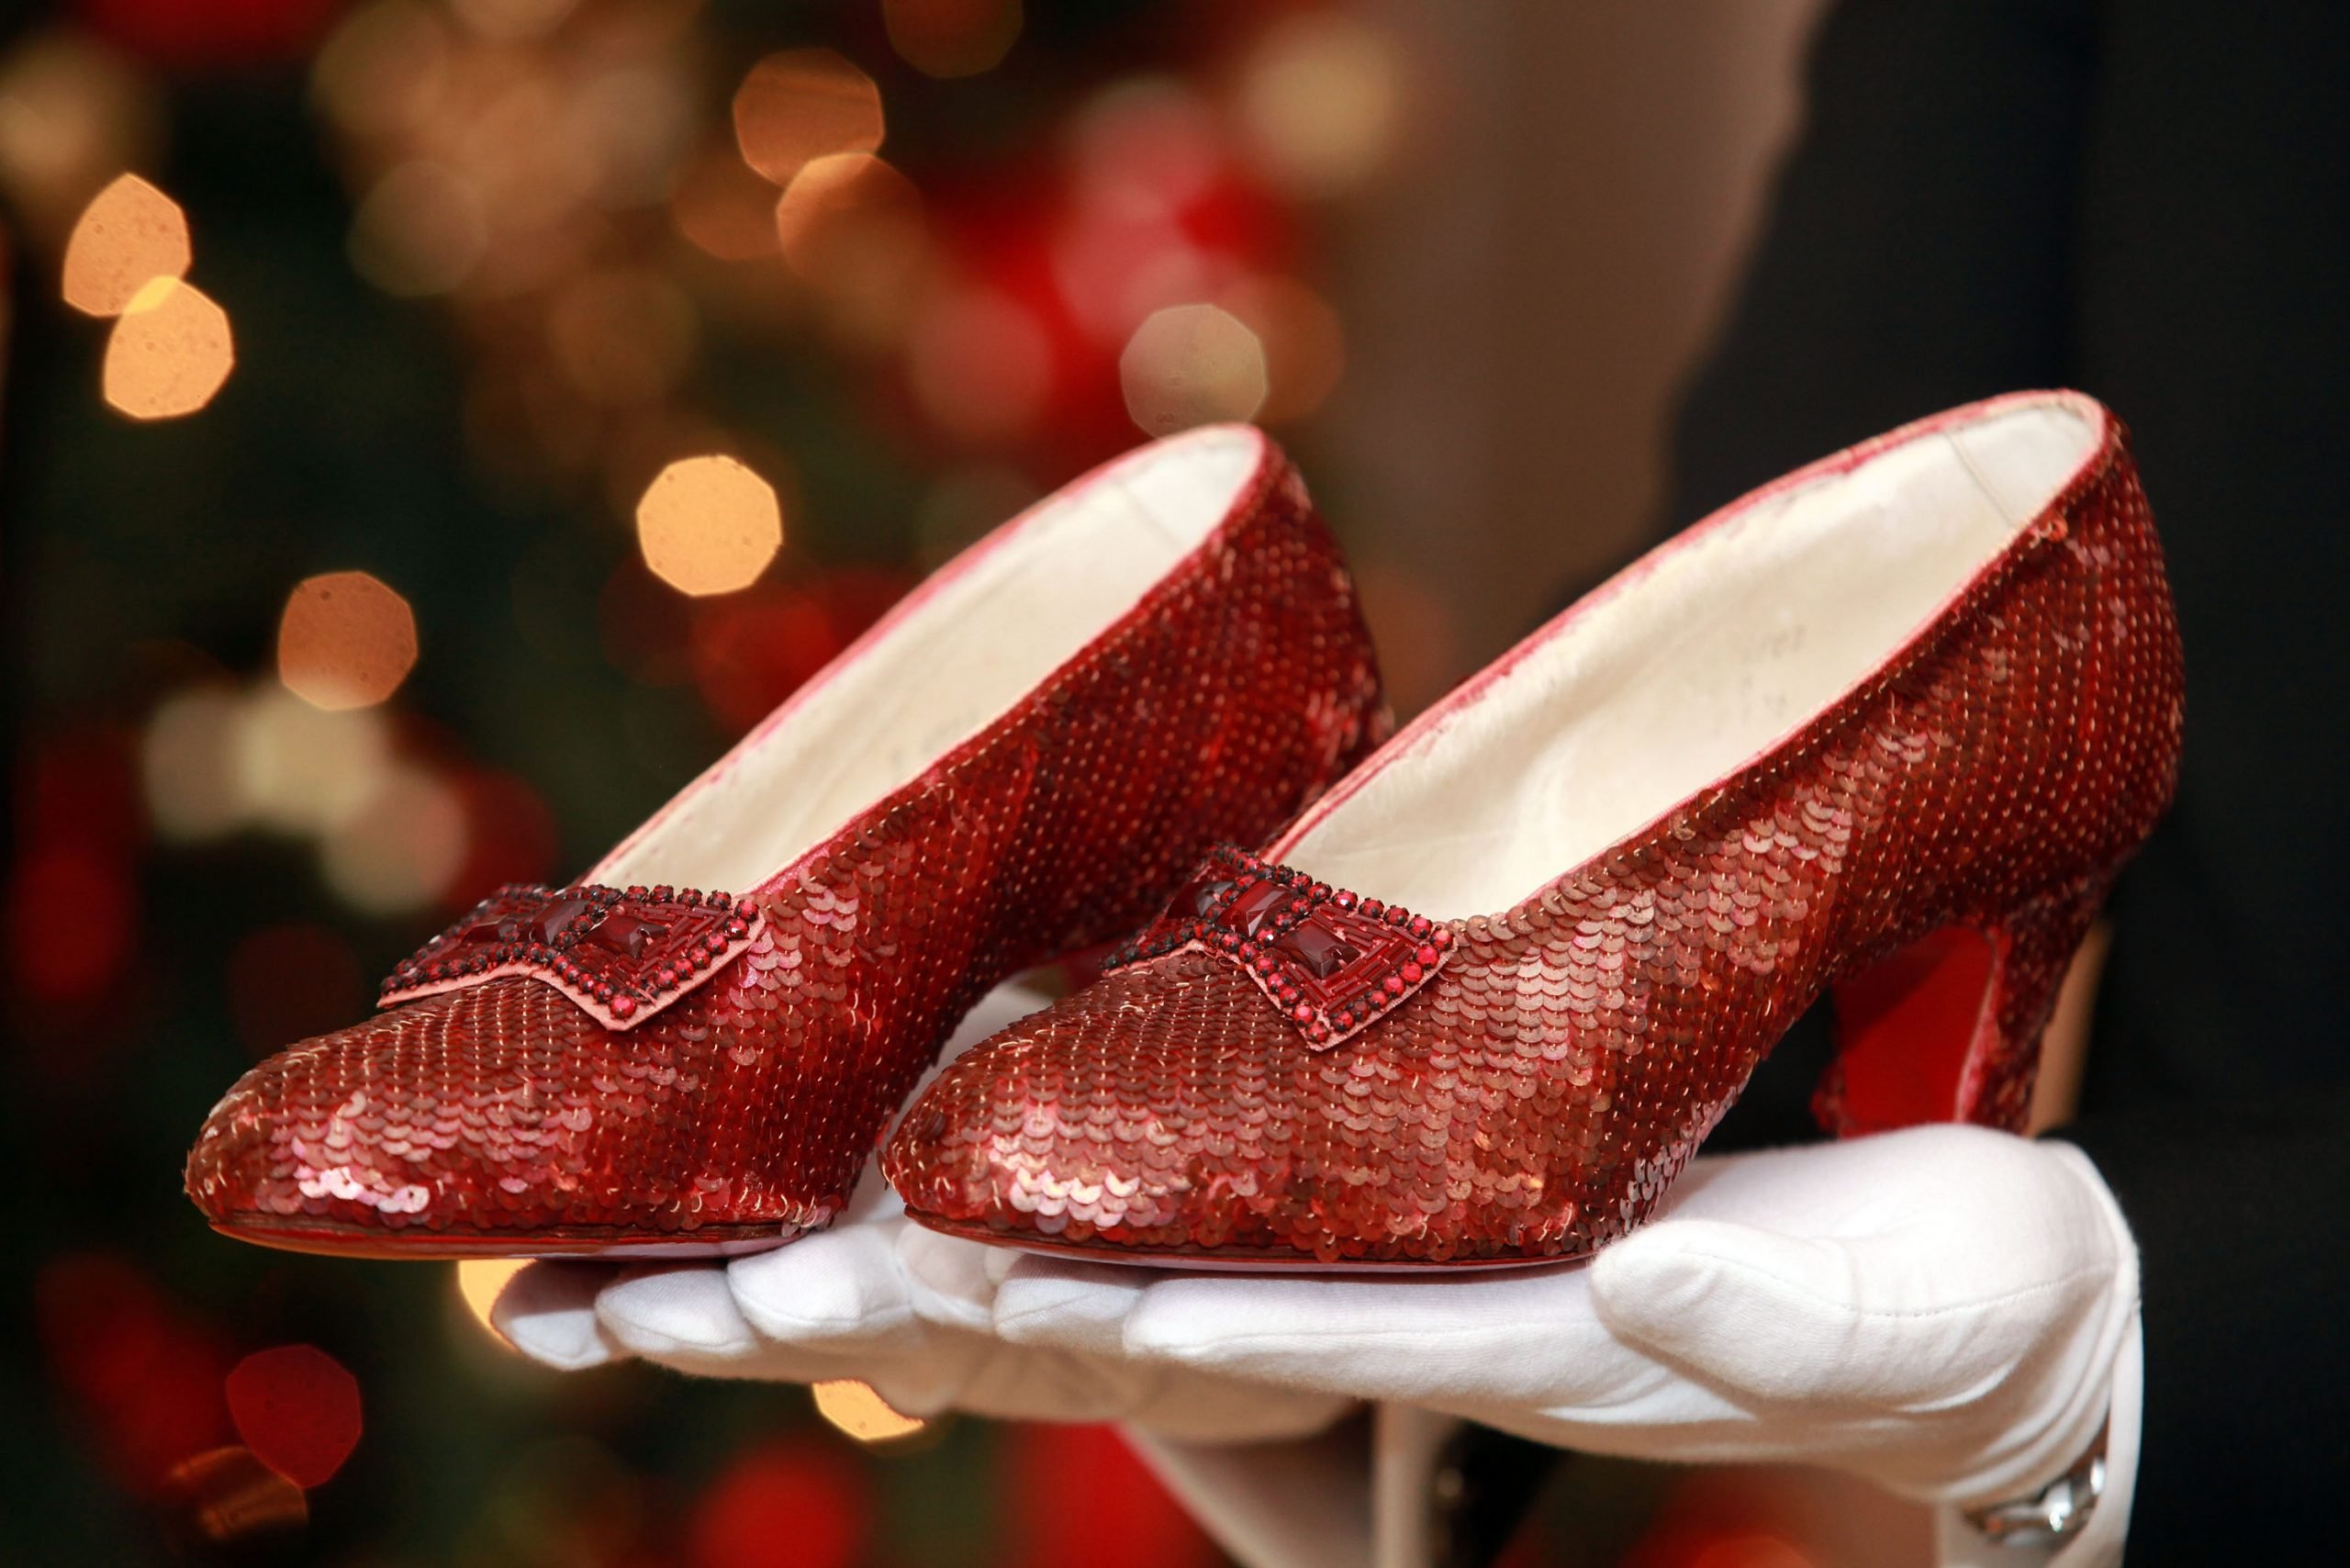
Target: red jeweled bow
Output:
{"points": [[621, 954], [1332, 961]]}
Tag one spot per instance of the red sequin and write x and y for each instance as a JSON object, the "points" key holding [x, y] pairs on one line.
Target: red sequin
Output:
{"points": [[502, 1117], [1542, 1088]]}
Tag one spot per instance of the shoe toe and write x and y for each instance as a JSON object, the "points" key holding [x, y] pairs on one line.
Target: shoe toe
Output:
{"points": [[1154, 1111], [465, 1113]]}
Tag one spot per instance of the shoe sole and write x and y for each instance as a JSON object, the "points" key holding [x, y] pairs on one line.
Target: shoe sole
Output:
{"points": [[330, 1240]]}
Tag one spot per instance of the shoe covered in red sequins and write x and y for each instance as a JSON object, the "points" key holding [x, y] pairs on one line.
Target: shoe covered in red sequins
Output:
{"points": [[1889, 725], [1019, 762]]}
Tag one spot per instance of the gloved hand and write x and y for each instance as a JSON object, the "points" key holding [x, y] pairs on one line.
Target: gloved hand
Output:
{"points": [[876, 1298], [1941, 1310]]}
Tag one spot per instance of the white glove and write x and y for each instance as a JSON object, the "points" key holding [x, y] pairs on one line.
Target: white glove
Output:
{"points": [[1941, 1310], [879, 1299]]}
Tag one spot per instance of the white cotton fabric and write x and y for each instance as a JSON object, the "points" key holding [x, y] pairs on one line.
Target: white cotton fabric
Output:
{"points": [[1948, 1312], [1940, 1310]]}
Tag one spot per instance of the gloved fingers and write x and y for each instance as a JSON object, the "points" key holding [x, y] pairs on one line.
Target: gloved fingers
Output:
{"points": [[839, 1292], [547, 1311], [1956, 1255], [683, 1317], [1515, 1336], [1024, 1382], [951, 1282], [1196, 1407], [1057, 1304]]}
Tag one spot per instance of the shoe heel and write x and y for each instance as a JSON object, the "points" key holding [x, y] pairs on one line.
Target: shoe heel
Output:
{"points": [[1948, 1028]]}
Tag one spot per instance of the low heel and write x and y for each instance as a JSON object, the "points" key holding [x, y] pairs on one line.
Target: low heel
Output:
{"points": [[1948, 1029]]}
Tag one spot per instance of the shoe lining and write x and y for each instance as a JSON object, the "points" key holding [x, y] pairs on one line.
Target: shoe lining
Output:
{"points": [[1695, 662], [981, 635]]}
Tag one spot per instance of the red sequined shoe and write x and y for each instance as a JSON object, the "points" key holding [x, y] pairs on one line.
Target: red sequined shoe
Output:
{"points": [[1018, 762], [1890, 724]]}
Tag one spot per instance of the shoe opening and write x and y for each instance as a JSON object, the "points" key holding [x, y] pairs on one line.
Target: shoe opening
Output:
{"points": [[1689, 664], [960, 650]]}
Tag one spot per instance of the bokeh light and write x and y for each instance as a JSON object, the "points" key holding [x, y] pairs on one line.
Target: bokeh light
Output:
{"points": [[480, 1281], [785, 1506], [951, 37], [1321, 99], [1192, 364], [802, 105], [129, 233], [855, 1408], [1143, 155], [187, 762], [144, 1377], [384, 69], [709, 525], [421, 231], [297, 1409], [1305, 347], [980, 364], [227, 1494], [724, 208], [508, 20], [71, 918], [72, 113], [401, 850], [1727, 1546], [169, 351], [305, 769], [346, 640], [852, 226], [1146, 146]]}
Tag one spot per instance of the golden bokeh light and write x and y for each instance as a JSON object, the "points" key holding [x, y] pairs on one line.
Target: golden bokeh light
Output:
{"points": [[346, 640], [855, 1409], [72, 112], [511, 20], [399, 851], [187, 765], [422, 230], [129, 233], [1192, 364], [301, 770], [384, 69], [802, 105], [724, 207], [1305, 347], [169, 351], [951, 37], [709, 525], [1321, 99], [841, 208], [980, 364], [852, 227], [480, 1281]]}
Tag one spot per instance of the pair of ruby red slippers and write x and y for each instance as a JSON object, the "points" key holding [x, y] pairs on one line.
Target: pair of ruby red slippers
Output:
{"points": [[1890, 724]]}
